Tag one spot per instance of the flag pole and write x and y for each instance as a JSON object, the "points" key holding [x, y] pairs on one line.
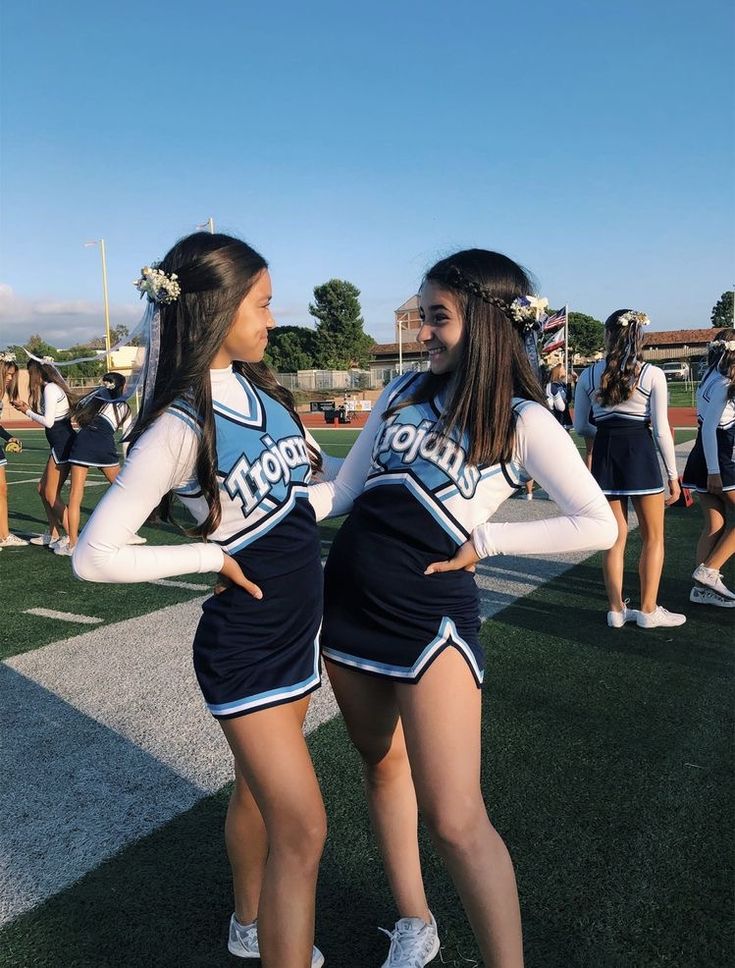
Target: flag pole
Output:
{"points": [[566, 341]]}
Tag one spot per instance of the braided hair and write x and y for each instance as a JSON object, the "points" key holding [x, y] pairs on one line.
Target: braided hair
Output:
{"points": [[493, 366]]}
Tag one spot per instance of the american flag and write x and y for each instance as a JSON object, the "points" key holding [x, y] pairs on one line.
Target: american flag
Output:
{"points": [[558, 319]]}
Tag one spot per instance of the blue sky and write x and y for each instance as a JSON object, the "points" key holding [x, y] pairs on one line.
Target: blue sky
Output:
{"points": [[593, 142]]}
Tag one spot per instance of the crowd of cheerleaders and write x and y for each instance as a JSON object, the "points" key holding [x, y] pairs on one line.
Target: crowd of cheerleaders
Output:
{"points": [[400, 608]]}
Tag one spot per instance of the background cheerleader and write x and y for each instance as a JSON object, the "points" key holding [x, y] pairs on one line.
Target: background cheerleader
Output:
{"points": [[556, 392], [49, 405], [98, 420], [9, 385], [629, 399], [710, 470]]}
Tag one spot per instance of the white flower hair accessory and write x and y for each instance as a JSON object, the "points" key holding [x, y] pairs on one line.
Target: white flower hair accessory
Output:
{"points": [[48, 360], [726, 345], [632, 317], [110, 384], [528, 309], [8, 358], [157, 285]]}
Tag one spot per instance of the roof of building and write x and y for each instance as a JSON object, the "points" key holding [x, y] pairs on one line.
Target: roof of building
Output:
{"points": [[412, 303], [391, 349], [676, 337]]}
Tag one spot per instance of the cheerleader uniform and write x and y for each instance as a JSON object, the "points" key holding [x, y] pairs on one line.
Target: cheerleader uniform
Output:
{"points": [[54, 418], [714, 448], [94, 444], [628, 434], [416, 500], [556, 398], [6, 437], [249, 654]]}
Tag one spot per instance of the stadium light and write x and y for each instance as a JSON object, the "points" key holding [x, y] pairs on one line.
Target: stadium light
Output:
{"points": [[108, 342]]}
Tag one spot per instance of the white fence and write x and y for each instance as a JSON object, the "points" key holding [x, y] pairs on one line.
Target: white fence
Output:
{"points": [[329, 380]]}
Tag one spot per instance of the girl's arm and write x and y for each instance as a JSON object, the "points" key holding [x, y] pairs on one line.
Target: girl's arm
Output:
{"points": [[660, 422], [583, 407], [330, 465], [162, 459], [560, 400], [50, 402], [547, 454], [712, 417]]}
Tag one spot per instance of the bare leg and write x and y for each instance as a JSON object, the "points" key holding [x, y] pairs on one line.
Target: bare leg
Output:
{"points": [[76, 494], [371, 714], [111, 472], [725, 547], [246, 840], [441, 721], [48, 510], [713, 509], [54, 478], [613, 560], [273, 758], [650, 511], [4, 527]]}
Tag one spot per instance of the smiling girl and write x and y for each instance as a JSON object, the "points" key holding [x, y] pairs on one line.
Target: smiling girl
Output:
{"points": [[441, 451]]}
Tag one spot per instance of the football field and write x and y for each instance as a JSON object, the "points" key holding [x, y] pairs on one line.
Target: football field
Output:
{"points": [[607, 767]]}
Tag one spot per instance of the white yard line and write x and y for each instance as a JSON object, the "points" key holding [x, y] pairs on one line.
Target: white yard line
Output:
{"points": [[63, 616]]}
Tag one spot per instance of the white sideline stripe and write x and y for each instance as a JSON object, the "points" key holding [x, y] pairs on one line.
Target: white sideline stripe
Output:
{"points": [[180, 584], [35, 480], [63, 616]]}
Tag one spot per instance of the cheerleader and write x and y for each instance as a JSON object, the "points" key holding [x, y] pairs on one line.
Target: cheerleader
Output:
{"points": [[440, 452], [9, 385], [710, 470], [94, 446], [219, 432], [49, 406], [556, 392], [628, 400]]}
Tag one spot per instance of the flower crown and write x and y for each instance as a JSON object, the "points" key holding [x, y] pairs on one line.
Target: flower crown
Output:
{"points": [[633, 317], [524, 310], [725, 345], [527, 309], [48, 360], [157, 285], [8, 358]]}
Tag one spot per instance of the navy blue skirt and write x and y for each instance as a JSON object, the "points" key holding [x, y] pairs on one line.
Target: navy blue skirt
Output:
{"points": [[252, 654], [3, 458], [624, 459], [695, 472], [382, 615], [94, 446], [61, 438]]}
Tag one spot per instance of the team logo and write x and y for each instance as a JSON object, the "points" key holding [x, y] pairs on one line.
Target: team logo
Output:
{"points": [[253, 481]]}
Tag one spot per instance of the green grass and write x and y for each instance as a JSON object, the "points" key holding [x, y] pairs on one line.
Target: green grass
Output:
{"points": [[33, 577], [682, 394], [607, 768]]}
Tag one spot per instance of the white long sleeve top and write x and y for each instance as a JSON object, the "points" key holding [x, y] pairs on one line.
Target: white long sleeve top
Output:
{"points": [[54, 406], [715, 411], [647, 403], [406, 450], [263, 467]]}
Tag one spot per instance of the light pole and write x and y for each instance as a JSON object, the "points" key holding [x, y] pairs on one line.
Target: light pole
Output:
{"points": [[209, 225], [108, 342]]}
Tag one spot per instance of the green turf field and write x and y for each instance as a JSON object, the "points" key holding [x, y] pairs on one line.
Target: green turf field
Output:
{"points": [[607, 768]]}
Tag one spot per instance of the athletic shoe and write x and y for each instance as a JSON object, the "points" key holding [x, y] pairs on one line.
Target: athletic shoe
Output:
{"points": [[711, 578], [13, 541], [43, 539], [616, 620], [659, 618], [529, 496], [136, 539], [64, 548], [413, 943], [705, 596], [243, 942]]}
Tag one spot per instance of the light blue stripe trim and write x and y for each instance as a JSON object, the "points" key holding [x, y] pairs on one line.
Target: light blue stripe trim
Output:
{"points": [[452, 489], [452, 530], [658, 490], [447, 631], [270, 695], [185, 419], [257, 532]]}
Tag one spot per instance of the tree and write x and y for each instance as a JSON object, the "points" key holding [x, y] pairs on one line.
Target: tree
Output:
{"points": [[341, 341], [586, 334], [291, 348], [722, 311]]}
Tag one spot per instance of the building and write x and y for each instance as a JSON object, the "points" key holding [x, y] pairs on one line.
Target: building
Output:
{"points": [[677, 344]]}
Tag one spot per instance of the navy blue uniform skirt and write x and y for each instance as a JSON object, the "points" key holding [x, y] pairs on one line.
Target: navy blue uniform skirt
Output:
{"points": [[624, 459], [94, 446], [252, 654], [695, 472], [61, 438], [382, 615], [3, 458]]}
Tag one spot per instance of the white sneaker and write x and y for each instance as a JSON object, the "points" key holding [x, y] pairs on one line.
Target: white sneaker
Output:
{"points": [[243, 942], [616, 620], [136, 539], [529, 495], [62, 547], [43, 539], [413, 943], [659, 618], [705, 596], [13, 541], [711, 578]]}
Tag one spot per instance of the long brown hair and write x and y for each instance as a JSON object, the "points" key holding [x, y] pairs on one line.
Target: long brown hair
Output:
{"points": [[622, 363], [493, 366], [85, 410], [722, 359], [12, 390], [39, 374], [215, 273]]}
